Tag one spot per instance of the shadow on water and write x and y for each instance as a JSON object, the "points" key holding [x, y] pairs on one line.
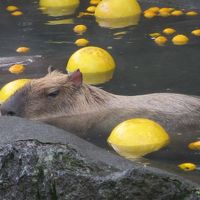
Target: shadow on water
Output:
{"points": [[142, 66]]}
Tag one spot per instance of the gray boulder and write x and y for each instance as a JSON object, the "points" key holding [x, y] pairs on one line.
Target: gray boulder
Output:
{"points": [[38, 161]]}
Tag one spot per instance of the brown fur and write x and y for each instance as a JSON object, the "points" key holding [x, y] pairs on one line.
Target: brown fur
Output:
{"points": [[85, 108]]}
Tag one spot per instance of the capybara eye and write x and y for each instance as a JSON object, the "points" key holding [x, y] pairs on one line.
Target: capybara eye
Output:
{"points": [[53, 93]]}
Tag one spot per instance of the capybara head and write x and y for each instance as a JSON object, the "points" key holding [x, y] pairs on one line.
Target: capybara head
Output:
{"points": [[45, 97]]}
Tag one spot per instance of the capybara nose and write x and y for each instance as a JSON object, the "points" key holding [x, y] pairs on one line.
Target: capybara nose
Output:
{"points": [[7, 112]]}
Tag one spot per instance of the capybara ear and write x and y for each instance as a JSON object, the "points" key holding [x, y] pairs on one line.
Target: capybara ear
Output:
{"points": [[50, 69], [76, 77]]}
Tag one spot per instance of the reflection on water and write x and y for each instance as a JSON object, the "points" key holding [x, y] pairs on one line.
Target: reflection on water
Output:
{"points": [[142, 66], [58, 7]]}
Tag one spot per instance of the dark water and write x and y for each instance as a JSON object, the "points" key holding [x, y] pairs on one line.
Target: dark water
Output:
{"points": [[142, 66]]}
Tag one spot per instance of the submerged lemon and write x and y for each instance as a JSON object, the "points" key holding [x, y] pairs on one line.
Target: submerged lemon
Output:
{"points": [[117, 13], [81, 42], [187, 166], [137, 137], [196, 32], [80, 29], [160, 40], [10, 88], [169, 31], [58, 7], [191, 13], [180, 40], [194, 145], [96, 64], [12, 8]]}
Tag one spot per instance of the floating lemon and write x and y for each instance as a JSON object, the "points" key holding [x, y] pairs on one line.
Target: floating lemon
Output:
{"points": [[16, 69], [164, 14], [17, 13], [194, 145], [10, 88], [187, 166], [166, 10], [160, 40], [96, 64], [169, 31], [81, 42], [94, 2], [12, 8], [91, 9], [149, 14], [80, 29], [153, 9], [117, 13], [154, 35], [59, 7], [23, 50], [180, 40], [177, 13], [138, 137], [191, 13], [196, 32]]}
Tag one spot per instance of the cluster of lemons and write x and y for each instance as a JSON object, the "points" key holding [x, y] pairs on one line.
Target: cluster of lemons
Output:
{"points": [[166, 12], [191, 166], [179, 39], [14, 10]]}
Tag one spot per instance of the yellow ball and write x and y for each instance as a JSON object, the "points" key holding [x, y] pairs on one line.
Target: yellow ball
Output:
{"points": [[191, 13], [58, 7], [137, 137], [177, 13], [196, 32], [80, 28], [169, 31], [180, 40], [10, 88], [149, 14], [91, 9], [117, 13], [12, 8], [96, 64], [194, 145], [187, 166], [81, 42], [160, 40]]}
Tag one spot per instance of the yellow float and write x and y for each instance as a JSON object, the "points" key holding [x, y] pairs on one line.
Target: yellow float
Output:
{"points": [[57, 8], [96, 64], [180, 40], [10, 88], [160, 40], [187, 166], [117, 13], [137, 137]]}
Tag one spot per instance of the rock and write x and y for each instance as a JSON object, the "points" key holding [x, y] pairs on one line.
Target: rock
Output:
{"points": [[38, 161]]}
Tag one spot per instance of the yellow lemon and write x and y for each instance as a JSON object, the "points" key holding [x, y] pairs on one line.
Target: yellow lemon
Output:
{"points": [[153, 9], [137, 137], [17, 13], [58, 7], [94, 2], [80, 29], [164, 14], [191, 13], [180, 40], [187, 166], [117, 13], [194, 145], [166, 10], [91, 9], [177, 13], [16, 69], [169, 31], [23, 50], [160, 40], [81, 42], [154, 35], [10, 88], [196, 32], [149, 14], [96, 64], [12, 8]]}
